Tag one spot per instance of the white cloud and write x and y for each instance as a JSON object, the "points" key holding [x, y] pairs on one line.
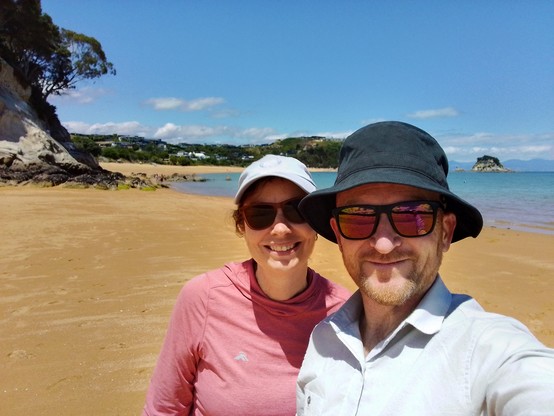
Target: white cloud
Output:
{"points": [[274, 137], [226, 113], [172, 103], [304, 133], [173, 133], [204, 134], [168, 103], [256, 133], [128, 128], [537, 149], [195, 133], [85, 95], [465, 148], [334, 135], [459, 147], [434, 113], [202, 103]]}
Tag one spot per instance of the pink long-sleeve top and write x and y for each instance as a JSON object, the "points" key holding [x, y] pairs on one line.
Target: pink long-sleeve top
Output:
{"points": [[230, 350]]}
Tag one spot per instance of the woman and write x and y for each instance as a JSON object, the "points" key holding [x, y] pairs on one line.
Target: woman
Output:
{"points": [[237, 335]]}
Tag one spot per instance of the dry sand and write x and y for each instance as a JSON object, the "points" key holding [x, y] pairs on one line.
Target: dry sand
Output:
{"points": [[88, 279]]}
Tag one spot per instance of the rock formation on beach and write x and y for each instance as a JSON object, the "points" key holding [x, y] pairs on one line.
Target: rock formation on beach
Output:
{"points": [[488, 164], [28, 151]]}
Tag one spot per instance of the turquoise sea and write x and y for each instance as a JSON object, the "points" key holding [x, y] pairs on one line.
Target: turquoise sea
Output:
{"points": [[520, 200]]}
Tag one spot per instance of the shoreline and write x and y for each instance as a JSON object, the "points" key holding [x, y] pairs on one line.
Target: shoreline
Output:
{"points": [[154, 169], [89, 278], [151, 169], [129, 169]]}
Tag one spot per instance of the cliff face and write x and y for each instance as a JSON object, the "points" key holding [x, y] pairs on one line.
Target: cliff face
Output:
{"points": [[488, 164], [28, 153]]}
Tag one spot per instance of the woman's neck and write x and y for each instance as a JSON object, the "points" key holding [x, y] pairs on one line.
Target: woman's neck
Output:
{"points": [[281, 286]]}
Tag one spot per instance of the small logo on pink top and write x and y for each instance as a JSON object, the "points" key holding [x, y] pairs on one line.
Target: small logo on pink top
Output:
{"points": [[241, 357]]}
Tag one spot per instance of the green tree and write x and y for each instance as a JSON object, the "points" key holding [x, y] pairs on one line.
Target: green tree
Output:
{"points": [[78, 57], [48, 58], [87, 144], [28, 38]]}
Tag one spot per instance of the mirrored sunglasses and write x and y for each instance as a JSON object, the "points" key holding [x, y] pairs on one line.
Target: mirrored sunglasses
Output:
{"points": [[408, 219], [261, 216]]}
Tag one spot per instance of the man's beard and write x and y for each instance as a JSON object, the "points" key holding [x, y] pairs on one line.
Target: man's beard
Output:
{"points": [[414, 284]]}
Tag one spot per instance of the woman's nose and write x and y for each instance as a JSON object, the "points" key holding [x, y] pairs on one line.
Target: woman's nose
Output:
{"points": [[280, 225]]}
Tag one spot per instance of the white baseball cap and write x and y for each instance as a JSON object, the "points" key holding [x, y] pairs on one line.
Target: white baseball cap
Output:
{"points": [[280, 166]]}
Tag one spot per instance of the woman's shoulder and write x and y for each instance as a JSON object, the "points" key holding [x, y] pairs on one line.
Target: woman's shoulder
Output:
{"points": [[331, 288], [223, 276]]}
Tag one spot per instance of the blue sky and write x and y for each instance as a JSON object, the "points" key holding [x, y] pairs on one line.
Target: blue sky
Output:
{"points": [[477, 75]]}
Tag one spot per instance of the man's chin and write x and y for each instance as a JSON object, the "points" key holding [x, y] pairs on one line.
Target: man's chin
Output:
{"points": [[388, 291]]}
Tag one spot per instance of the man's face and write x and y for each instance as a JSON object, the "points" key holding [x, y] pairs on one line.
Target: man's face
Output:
{"points": [[390, 269]]}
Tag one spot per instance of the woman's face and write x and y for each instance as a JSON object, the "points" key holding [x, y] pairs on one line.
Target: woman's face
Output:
{"points": [[284, 245]]}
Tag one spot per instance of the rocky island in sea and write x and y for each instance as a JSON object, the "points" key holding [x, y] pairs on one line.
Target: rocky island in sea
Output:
{"points": [[488, 164]]}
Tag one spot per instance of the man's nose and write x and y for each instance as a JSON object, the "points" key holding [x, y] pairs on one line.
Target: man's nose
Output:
{"points": [[385, 239]]}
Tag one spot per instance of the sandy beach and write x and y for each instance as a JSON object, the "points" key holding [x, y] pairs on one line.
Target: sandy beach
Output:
{"points": [[89, 277]]}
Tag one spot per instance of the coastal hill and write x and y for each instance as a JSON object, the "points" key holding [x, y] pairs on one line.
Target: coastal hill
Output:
{"points": [[314, 151]]}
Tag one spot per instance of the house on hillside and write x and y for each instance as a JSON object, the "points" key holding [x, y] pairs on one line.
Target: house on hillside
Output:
{"points": [[192, 155]]}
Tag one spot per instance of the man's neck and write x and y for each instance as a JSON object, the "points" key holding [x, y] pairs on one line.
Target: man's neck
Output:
{"points": [[379, 321]]}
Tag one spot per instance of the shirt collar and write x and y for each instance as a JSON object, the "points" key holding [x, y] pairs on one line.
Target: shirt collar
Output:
{"points": [[345, 323], [427, 317], [431, 311], [347, 318]]}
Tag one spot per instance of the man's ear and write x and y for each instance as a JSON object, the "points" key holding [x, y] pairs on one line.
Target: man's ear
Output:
{"points": [[448, 227], [335, 228]]}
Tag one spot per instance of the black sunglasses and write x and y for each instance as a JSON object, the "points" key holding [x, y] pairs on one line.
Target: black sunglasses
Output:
{"points": [[408, 219], [261, 216]]}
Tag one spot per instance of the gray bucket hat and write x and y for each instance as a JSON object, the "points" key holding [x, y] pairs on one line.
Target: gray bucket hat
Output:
{"points": [[396, 153]]}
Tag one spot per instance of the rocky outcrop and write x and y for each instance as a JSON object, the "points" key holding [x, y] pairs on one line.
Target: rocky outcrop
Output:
{"points": [[488, 164], [29, 154]]}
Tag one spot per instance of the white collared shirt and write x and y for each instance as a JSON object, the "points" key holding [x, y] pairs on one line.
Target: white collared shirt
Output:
{"points": [[449, 357]]}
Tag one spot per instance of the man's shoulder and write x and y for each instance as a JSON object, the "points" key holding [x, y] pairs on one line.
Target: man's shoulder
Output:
{"points": [[344, 318], [469, 318]]}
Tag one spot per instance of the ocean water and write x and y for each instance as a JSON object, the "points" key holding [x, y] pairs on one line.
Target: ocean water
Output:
{"points": [[521, 201]]}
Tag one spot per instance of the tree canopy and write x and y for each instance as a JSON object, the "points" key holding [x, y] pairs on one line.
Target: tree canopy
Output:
{"points": [[46, 57]]}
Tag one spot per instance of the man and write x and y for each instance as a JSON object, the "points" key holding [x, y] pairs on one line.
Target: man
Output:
{"points": [[403, 344]]}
